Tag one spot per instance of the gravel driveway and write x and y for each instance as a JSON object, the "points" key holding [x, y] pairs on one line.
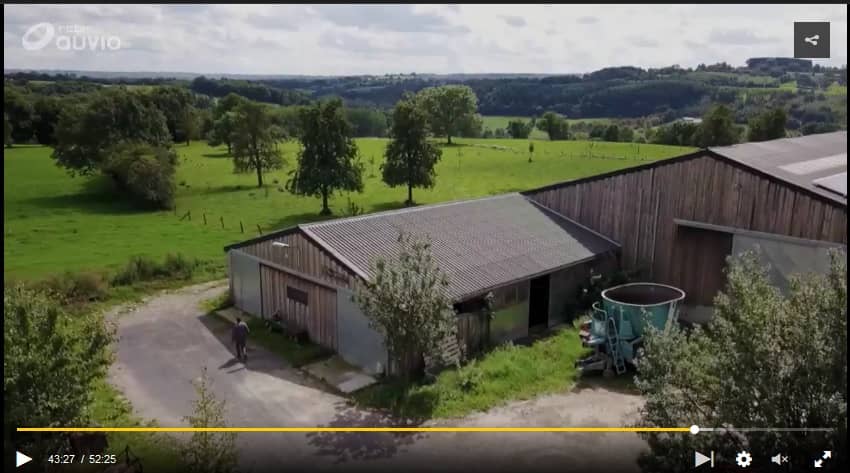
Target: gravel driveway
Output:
{"points": [[165, 342]]}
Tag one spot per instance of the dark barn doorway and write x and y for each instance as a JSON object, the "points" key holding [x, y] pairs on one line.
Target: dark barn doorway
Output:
{"points": [[538, 302]]}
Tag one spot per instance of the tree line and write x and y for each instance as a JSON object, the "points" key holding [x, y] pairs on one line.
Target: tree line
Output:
{"points": [[129, 135]]}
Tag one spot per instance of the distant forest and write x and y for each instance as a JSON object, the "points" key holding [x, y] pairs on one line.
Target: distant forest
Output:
{"points": [[615, 92]]}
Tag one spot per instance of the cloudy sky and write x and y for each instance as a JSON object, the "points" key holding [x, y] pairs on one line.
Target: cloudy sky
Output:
{"points": [[367, 39]]}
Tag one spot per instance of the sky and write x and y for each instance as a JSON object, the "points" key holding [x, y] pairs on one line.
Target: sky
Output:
{"points": [[387, 39]]}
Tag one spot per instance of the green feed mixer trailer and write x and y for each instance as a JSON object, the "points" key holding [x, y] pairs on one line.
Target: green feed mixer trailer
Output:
{"points": [[617, 325]]}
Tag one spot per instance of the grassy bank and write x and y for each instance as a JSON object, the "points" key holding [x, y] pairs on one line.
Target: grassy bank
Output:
{"points": [[505, 374]]}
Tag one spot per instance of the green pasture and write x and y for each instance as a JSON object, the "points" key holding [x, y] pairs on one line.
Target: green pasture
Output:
{"points": [[54, 222]]}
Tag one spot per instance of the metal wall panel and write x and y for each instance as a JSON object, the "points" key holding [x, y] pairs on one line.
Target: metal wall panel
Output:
{"points": [[357, 342], [245, 282], [785, 258]]}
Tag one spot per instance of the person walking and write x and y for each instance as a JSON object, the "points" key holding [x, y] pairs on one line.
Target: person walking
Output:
{"points": [[239, 336]]}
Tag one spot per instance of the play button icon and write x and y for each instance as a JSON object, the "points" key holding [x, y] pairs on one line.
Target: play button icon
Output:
{"points": [[700, 459], [21, 459]]}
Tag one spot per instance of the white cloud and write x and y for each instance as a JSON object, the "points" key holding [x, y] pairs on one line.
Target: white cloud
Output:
{"points": [[377, 39]]}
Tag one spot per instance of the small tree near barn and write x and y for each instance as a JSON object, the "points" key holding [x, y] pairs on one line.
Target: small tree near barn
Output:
{"points": [[407, 301], [765, 360], [208, 452]]}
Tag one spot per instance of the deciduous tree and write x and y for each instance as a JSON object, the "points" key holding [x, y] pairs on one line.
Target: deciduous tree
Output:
{"points": [[448, 108], [409, 157], [718, 127], [554, 125], [328, 160], [765, 360], [768, 125], [208, 452], [255, 141], [519, 129], [407, 302], [50, 360]]}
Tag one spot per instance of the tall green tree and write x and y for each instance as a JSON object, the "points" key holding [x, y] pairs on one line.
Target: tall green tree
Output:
{"points": [[208, 452], [86, 134], [255, 141], [7, 131], [768, 125], [766, 359], [407, 301], [519, 129], [409, 157], [18, 107], [189, 126], [223, 131], [555, 125], [718, 127], [448, 107], [328, 160], [612, 133], [175, 103], [50, 360]]}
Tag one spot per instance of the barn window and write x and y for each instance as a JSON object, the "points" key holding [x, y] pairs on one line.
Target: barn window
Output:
{"points": [[296, 295]]}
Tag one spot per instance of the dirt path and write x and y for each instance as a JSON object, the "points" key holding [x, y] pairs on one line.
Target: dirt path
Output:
{"points": [[165, 341]]}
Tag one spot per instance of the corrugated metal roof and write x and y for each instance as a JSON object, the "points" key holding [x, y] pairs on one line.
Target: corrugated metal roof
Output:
{"points": [[479, 243], [799, 161]]}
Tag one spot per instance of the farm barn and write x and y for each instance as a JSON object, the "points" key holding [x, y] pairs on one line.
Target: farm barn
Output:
{"points": [[679, 218], [531, 258]]}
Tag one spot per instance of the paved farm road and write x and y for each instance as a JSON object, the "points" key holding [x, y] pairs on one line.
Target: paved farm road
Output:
{"points": [[164, 344]]}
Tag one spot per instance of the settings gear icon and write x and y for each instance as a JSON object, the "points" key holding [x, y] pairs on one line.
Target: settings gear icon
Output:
{"points": [[743, 459]]}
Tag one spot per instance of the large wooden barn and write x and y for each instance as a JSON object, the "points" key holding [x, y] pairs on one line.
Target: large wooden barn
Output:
{"points": [[675, 220], [678, 219], [532, 260]]}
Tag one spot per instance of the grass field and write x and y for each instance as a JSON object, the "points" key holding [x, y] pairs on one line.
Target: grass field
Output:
{"points": [[54, 222]]}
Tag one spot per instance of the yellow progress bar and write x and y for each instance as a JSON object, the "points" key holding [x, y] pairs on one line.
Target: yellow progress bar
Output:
{"points": [[353, 429]]}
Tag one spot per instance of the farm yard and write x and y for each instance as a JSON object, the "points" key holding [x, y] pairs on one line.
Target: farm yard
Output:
{"points": [[55, 222]]}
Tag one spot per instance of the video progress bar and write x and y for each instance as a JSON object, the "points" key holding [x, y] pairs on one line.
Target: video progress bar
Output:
{"points": [[356, 429], [765, 429]]}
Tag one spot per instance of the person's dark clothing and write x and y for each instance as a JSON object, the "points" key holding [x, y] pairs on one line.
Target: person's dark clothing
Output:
{"points": [[239, 335]]}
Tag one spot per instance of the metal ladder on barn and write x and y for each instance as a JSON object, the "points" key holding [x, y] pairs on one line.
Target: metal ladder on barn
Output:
{"points": [[614, 347]]}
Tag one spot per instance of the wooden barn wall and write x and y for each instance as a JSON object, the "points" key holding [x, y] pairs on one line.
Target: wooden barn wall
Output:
{"points": [[305, 257], [318, 317], [637, 208]]}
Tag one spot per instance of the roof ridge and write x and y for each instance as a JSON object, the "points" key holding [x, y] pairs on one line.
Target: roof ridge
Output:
{"points": [[405, 210]]}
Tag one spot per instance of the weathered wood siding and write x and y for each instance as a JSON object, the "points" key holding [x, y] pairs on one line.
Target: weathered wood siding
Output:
{"points": [[637, 209], [303, 256], [317, 317]]}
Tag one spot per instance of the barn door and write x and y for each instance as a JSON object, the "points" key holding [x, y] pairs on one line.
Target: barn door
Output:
{"points": [[699, 260]]}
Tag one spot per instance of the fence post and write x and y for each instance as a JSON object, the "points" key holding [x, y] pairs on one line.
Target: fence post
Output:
{"points": [[205, 218], [222, 222]]}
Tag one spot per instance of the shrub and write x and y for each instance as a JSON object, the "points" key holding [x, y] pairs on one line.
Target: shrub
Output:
{"points": [[144, 268], [76, 287], [145, 173], [178, 266]]}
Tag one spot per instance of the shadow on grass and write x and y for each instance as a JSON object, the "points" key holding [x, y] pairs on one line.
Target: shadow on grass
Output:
{"points": [[296, 219], [259, 358], [98, 196], [384, 206], [220, 155], [363, 446], [407, 404]]}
